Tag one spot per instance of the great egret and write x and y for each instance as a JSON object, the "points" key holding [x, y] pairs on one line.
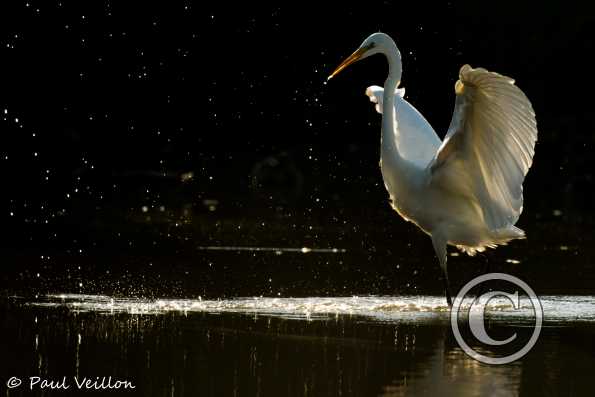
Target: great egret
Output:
{"points": [[467, 190]]}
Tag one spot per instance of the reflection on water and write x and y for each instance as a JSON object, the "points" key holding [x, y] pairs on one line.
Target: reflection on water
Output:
{"points": [[360, 346]]}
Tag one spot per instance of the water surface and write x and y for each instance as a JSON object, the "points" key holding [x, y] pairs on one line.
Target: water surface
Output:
{"points": [[354, 346]]}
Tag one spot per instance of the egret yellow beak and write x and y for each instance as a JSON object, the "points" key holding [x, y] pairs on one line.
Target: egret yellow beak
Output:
{"points": [[356, 56]]}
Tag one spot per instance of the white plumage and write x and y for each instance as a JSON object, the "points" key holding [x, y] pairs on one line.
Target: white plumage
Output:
{"points": [[493, 133], [467, 190], [417, 140]]}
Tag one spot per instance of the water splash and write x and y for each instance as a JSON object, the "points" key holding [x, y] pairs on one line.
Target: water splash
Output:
{"points": [[402, 308]]}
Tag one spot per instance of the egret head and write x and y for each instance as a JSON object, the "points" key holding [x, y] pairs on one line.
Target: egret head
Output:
{"points": [[376, 43]]}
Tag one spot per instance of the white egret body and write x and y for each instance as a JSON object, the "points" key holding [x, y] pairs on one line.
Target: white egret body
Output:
{"points": [[466, 190]]}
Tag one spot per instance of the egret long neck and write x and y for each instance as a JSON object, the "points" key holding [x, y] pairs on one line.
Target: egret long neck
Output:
{"points": [[389, 144]]}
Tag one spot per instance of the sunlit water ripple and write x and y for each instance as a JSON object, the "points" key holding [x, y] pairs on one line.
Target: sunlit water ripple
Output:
{"points": [[556, 309]]}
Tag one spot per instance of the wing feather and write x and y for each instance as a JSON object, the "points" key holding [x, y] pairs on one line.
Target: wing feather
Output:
{"points": [[489, 145], [416, 139]]}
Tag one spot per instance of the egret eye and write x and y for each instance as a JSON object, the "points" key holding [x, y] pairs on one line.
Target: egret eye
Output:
{"points": [[370, 46]]}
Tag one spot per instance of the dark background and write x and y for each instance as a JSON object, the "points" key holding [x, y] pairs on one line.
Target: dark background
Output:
{"points": [[135, 133]]}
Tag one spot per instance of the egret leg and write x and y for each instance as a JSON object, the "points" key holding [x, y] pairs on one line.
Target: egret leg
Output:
{"points": [[440, 249], [487, 269]]}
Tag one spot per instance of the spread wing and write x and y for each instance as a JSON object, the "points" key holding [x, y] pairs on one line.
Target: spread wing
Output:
{"points": [[489, 146], [416, 139]]}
